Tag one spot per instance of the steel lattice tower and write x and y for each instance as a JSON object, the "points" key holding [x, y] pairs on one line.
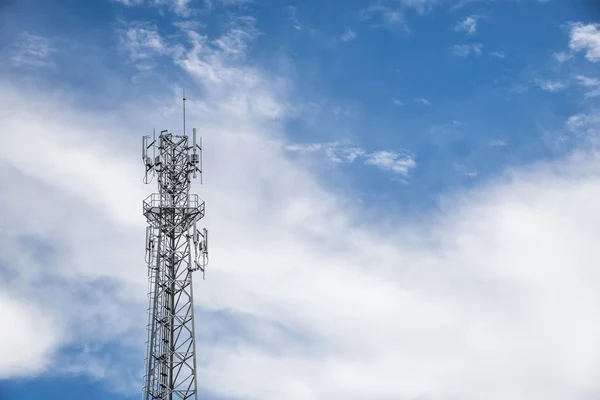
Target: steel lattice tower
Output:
{"points": [[174, 249]]}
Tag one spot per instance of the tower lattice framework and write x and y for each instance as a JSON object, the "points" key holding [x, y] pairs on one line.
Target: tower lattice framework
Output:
{"points": [[175, 248]]}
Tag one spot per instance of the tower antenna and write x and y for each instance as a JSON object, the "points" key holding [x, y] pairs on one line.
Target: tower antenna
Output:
{"points": [[175, 248]]}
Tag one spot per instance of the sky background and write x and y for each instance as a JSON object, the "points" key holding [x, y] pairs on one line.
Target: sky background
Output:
{"points": [[401, 195]]}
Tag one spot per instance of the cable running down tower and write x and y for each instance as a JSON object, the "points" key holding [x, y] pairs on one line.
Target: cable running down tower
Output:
{"points": [[175, 248]]}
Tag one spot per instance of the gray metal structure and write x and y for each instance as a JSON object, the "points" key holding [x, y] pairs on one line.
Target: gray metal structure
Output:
{"points": [[175, 248]]}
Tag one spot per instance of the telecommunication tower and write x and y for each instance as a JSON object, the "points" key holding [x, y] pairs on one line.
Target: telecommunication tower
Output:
{"points": [[175, 248]]}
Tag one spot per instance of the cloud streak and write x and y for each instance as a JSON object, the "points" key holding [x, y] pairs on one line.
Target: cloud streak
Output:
{"points": [[348, 35], [551, 86], [465, 50], [179, 7], [400, 163], [592, 85], [423, 101], [498, 54], [32, 51]]}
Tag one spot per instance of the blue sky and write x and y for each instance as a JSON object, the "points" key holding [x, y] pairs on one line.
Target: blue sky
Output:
{"points": [[400, 195]]}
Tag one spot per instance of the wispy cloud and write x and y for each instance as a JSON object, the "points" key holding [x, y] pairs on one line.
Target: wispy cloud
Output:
{"points": [[587, 82], [386, 16], [219, 67], [130, 3], [179, 7], [421, 6], [550, 85], [397, 103], [562, 57], [235, 42], [397, 162], [465, 50], [293, 16], [586, 125], [31, 50], [518, 88], [467, 25], [586, 38], [348, 35], [142, 42], [498, 54], [498, 143], [591, 84], [423, 101], [235, 2], [335, 152]]}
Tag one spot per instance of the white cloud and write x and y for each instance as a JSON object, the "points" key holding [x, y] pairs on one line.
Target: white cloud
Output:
{"points": [[551, 85], [31, 50], [422, 101], [586, 38], [235, 42], [129, 3], [465, 50], [348, 154], [468, 25], [397, 103], [400, 164], [591, 84], [143, 42], [562, 56], [498, 54], [308, 147], [498, 143], [348, 35], [586, 126], [587, 82], [219, 67]]}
